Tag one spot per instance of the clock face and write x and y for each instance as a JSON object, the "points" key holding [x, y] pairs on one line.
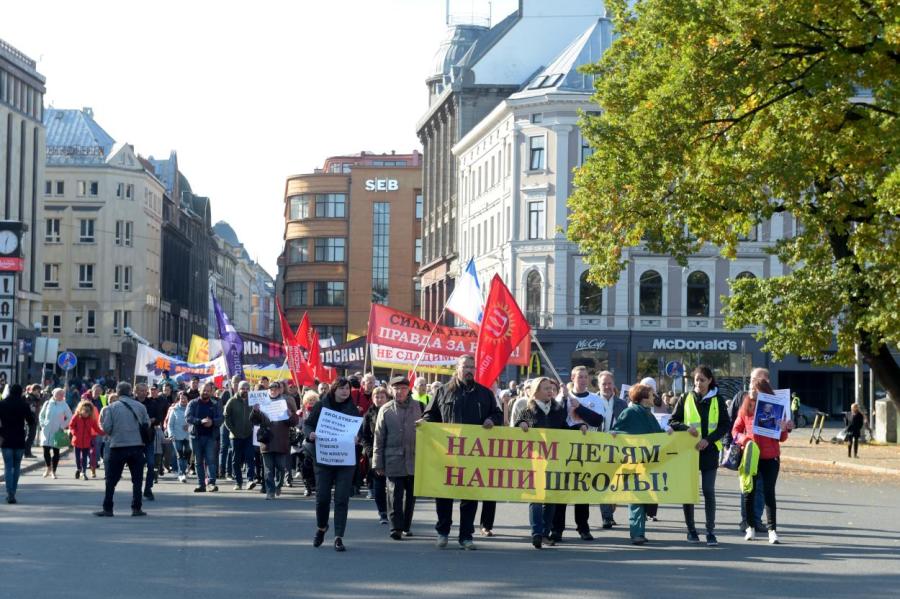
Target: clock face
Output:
{"points": [[9, 241]]}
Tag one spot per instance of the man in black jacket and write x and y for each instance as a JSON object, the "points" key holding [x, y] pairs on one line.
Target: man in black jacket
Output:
{"points": [[15, 413], [461, 401]]}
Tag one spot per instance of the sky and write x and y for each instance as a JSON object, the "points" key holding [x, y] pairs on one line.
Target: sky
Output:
{"points": [[247, 93]]}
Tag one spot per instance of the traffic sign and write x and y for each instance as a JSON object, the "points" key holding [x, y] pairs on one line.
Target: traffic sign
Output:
{"points": [[67, 360], [674, 369]]}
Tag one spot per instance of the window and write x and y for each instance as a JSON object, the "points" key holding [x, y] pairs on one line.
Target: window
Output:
{"points": [[536, 220], [126, 318], [419, 205], [81, 188], [590, 296], [419, 250], [51, 276], [698, 294], [79, 324], [750, 236], [328, 331], [94, 188], [745, 275], [117, 322], [329, 293], [91, 327], [331, 205], [417, 297], [533, 298], [536, 118], [330, 249], [51, 323], [51, 233], [650, 298], [299, 207], [536, 152], [381, 224], [586, 150], [129, 191], [86, 227], [298, 251], [295, 294], [124, 232], [48, 187], [120, 190], [346, 168], [122, 278], [85, 276]]}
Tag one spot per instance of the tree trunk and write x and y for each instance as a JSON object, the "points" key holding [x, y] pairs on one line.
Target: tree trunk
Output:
{"points": [[885, 367]]}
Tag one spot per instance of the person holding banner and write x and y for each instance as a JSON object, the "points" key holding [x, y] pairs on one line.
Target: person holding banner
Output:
{"points": [[276, 447], [240, 431], [768, 456], [394, 454], [637, 419], [543, 412], [461, 401], [702, 411], [339, 478], [612, 405]]}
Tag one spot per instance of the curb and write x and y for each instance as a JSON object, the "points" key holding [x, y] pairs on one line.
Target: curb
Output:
{"points": [[834, 466], [38, 463]]}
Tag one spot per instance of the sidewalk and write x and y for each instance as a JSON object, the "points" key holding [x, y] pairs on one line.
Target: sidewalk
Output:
{"points": [[798, 454]]}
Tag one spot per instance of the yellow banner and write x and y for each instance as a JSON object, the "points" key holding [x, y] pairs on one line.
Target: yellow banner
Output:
{"points": [[554, 466], [199, 350]]}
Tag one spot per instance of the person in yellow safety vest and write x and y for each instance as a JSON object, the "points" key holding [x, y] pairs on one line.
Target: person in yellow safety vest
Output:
{"points": [[703, 412], [421, 392], [795, 408]]}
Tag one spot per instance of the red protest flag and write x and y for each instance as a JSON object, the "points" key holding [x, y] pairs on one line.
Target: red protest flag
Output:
{"points": [[315, 357], [502, 329], [303, 335], [300, 371]]}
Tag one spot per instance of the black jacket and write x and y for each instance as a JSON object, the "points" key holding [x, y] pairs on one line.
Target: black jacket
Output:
{"points": [[709, 457], [855, 423], [454, 403], [555, 418], [368, 430], [312, 421], [14, 414]]}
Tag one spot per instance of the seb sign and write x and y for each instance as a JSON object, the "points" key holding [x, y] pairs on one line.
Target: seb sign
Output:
{"points": [[382, 185]]}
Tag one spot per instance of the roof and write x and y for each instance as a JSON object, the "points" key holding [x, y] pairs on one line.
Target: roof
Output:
{"points": [[166, 170], [74, 137], [562, 74], [487, 40]]}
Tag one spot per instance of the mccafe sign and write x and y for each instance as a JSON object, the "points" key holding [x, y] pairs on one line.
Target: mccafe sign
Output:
{"points": [[590, 344], [693, 344]]}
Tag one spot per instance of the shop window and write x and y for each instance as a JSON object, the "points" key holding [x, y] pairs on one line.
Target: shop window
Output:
{"points": [[745, 275], [698, 294], [533, 298], [650, 301], [590, 296]]}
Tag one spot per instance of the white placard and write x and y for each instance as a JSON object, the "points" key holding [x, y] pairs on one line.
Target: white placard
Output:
{"points": [[623, 393], [785, 396], [276, 410], [257, 397], [336, 438], [255, 442], [770, 411], [663, 419]]}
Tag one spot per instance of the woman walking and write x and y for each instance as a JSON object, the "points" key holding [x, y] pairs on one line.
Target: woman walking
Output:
{"points": [[85, 427], [54, 418], [15, 413], [339, 478], [177, 430], [768, 453], [855, 421]]}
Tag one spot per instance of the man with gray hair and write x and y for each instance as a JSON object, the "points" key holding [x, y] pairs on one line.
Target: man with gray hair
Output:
{"points": [[122, 421]]}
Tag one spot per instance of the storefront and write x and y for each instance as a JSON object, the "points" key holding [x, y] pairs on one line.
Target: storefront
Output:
{"points": [[597, 350]]}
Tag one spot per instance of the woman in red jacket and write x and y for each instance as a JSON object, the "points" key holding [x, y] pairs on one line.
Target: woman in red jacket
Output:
{"points": [[84, 426], [769, 455]]}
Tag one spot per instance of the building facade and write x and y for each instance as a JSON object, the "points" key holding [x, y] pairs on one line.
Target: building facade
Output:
{"points": [[351, 239], [101, 237], [22, 141]]}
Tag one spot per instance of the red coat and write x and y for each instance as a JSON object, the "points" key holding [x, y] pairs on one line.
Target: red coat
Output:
{"points": [[742, 431], [362, 401], [84, 430]]}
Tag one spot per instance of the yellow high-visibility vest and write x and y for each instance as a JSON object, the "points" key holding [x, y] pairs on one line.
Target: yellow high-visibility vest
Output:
{"points": [[692, 415]]}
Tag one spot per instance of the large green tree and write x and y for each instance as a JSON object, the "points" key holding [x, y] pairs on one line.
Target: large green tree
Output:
{"points": [[718, 114]]}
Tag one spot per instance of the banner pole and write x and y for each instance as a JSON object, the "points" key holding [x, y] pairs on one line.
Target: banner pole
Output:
{"points": [[547, 358], [428, 340]]}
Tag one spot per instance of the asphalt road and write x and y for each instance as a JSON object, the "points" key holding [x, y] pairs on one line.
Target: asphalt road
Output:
{"points": [[839, 539]]}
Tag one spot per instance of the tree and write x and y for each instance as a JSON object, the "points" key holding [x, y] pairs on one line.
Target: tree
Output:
{"points": [[718, 114]]}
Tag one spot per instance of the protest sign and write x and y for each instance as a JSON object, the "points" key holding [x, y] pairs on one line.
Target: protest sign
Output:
{"points": [[276, 410], [336, 438], [784, 396], [257, 397], [554, 466], [623, 392], [770, 411], [662, 419], [256, 442]]}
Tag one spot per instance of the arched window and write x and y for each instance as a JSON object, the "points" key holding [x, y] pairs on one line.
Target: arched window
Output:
{"points": [[590, 296], [746, 275], [533, 298], [698, 294], [650, 302]]}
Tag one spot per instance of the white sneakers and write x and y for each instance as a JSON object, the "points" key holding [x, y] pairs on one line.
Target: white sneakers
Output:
{"points": [[773, 537], [750, 534], [182, 478]]}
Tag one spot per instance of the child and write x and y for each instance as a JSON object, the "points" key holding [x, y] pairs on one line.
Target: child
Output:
{"points": [[84, 426]]}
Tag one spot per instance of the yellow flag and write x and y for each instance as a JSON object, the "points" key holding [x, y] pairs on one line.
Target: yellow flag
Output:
{"points": [[352, 336], [199, 351], [554, 466]]}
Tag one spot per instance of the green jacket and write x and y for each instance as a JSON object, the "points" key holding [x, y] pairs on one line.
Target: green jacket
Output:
{"points": [[636, 420], [237, 418]]}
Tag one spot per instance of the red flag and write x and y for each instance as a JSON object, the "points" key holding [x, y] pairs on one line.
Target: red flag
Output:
{"points": [[502, 329], [300, 372], [412, 379], [315, 358], [304, 333]]}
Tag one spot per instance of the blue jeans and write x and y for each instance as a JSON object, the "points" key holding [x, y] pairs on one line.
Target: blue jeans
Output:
{"points": [[225, 451], [540, 516], [242, 453], [150, 458], [82, 460], [12, 468], [759, 504], [637, 519], [275, 465], [204, 447], [182, 448]]}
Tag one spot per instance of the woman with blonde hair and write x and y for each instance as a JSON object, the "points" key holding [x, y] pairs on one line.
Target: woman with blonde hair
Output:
{"points": [[85, 427], [53, 420]]}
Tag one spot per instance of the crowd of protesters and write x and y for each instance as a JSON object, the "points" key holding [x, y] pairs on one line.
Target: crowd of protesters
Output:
{"points": [[213, 434]]}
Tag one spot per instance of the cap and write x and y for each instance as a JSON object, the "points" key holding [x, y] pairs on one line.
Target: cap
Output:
{"points": [[399, 380], [650, 382]]}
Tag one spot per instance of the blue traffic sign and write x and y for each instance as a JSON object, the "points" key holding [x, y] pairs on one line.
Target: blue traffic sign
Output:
{"points": [[674, 369], [67, 360]]}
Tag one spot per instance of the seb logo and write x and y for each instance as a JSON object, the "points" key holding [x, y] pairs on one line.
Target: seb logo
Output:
{"points": [[382, 185]]}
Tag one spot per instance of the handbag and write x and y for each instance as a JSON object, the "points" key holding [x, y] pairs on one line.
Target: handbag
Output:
{"points": [[147, 434], [264, 435], [731, 457], [60, 439]]}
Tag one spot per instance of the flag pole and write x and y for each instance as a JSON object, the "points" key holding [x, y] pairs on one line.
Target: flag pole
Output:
{"points": [[428, 340], [547, 358]]}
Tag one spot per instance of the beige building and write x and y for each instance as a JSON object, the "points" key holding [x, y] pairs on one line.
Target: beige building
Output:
{"points": [[102, 211]]}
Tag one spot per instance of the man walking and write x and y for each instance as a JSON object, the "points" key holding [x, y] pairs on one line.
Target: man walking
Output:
{"points": [[142, 394], [122, 421], [237, 422], [461, 401], [612, 406], [203, 416]]}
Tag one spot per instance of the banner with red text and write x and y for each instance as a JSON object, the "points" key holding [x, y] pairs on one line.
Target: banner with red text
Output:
{"points": [[554, 466], [403, 359], [399, 330]]}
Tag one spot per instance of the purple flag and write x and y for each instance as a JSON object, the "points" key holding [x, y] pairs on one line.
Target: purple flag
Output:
{"points": [[232, 345]]}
